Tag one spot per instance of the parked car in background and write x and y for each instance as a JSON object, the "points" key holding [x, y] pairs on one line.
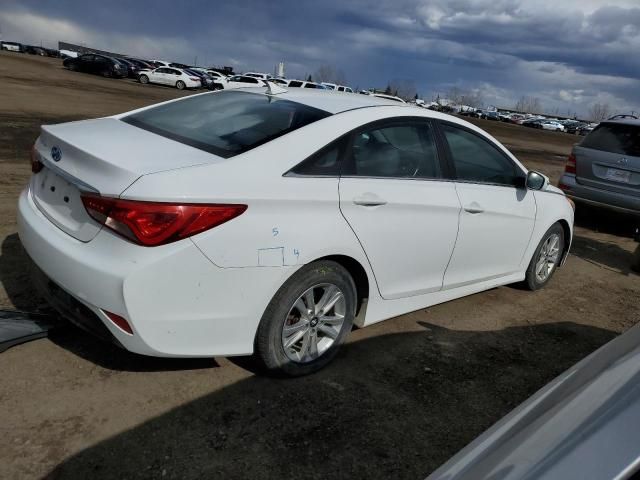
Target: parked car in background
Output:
{"points": [[33, 50], [586, 129], [159, 63], [304, 84], [237, 81], [551, 125], [140, 64], [342, 88], [258, 75], [173, 77], [96, 64], [215, 74], [329, 86], [131, 68], [12, 47], [205, 79], [604, 169], [581, 425], [194, 244], [283, 82], [490, 115], [68, 54]]}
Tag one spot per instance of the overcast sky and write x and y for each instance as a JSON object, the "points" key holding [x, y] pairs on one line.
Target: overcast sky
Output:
{"points": [[569, 53]]}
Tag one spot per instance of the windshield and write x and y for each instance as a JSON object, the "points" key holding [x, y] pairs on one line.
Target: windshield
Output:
{"points": [[226, 123]]}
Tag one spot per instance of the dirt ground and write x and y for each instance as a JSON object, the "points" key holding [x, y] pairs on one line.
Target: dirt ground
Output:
{"points": [[402, 397]]}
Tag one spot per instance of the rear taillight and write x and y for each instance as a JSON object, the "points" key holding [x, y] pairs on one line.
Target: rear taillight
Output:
{"points": [[194, 79], [36, 164], [153, 223], [570, 166]]}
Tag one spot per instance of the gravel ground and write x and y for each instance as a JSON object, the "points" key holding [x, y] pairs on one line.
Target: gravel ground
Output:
{"points": [[402, 397]]}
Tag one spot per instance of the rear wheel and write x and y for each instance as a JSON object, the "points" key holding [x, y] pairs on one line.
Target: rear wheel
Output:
{"points": [[546, 258], [144, 79], [307, 320], [180, 85]]}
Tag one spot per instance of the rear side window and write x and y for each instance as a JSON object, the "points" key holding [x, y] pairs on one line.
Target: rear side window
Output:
{"points": [[226, 123], [325, 162], [477, 160], [615, 138], [397, 151]]}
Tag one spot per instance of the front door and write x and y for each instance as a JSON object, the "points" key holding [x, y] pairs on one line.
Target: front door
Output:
{"points": [[498, 213], [402, 212]]}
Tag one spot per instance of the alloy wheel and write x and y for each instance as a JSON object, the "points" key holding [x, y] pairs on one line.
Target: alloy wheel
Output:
{"points": [[548, 257], [313, 323]]}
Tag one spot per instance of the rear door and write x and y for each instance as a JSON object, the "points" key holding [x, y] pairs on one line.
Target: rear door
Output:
{"points": [[497, 216], [394, 198], [609, 158]]}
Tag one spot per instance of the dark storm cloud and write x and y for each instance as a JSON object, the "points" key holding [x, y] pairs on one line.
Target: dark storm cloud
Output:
{"points": [[507, 48]]}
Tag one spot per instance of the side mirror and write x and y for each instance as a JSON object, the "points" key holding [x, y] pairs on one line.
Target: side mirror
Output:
{"points": [[536, 181]]}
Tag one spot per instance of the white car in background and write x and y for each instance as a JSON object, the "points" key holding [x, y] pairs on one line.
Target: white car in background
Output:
{"points": [[258, 75], [304, 84], [11, 47], [552, 125], [269, 221], [238, 81], [170, 76], [215, 74], [342, 88]]}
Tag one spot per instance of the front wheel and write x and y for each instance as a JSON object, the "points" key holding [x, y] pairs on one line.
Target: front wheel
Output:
{"points": [[144, 79], [307, 320], [180, 85], [546, 258]]}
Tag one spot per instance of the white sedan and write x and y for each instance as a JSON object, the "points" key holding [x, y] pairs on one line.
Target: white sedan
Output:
{"points": [[238, 81], [170, 76], [551, 125], [269, 221]]}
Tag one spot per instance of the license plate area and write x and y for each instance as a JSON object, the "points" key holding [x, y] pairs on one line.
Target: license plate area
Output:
{"points": [[59, 200], [616, 175]]}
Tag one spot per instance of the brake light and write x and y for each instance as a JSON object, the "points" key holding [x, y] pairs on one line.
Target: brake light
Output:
{"points": [[194, 79], [36, 164], [154, 223], [570, 166]]}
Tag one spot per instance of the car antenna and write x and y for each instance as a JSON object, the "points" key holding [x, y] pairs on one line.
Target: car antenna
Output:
{"points": [[273, 89]]}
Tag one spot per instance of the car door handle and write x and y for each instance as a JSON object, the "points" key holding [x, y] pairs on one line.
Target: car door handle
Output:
{"points": [[473, 207], [369, 200]]}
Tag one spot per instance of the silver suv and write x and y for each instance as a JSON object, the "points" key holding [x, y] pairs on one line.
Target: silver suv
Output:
{"points": [[604, 170]]}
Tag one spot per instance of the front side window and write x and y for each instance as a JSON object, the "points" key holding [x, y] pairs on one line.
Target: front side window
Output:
{"points": [[295, 83], [477, 160], [226, 123], [399, 151]]}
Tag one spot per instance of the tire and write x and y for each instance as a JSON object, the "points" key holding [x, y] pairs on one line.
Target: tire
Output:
{"points": [[536, 277], [143, 79], [558, 130], [107, 74], [325, 280], [180, 85]]}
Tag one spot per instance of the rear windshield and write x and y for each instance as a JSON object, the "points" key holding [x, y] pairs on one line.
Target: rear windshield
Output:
{"points": [[226, 123], [615, 138]]}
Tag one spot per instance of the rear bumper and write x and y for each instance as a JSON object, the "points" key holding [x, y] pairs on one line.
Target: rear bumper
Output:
{"points": [[598, 197], [177, 302]]}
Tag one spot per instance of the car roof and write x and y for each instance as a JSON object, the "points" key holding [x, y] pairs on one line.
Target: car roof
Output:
{"points": [[328, 100], [624, 121]]}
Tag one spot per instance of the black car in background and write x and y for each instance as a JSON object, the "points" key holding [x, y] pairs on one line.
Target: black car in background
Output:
{"points": [[33, 50], [97, 64]]}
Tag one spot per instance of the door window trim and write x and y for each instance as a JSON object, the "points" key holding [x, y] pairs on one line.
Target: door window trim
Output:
{"points": [[376, 125], [451, 168]]}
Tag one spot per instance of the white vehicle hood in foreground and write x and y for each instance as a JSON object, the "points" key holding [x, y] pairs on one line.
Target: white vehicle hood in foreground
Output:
{"points": [[108, 155]]}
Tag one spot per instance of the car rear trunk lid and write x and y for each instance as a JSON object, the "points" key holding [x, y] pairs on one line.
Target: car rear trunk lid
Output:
{"points": [[609, 158], [102, 156]]}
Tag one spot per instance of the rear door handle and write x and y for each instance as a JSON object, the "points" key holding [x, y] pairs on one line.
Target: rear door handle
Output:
{"points": [[369, 200], [473, 207]]}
